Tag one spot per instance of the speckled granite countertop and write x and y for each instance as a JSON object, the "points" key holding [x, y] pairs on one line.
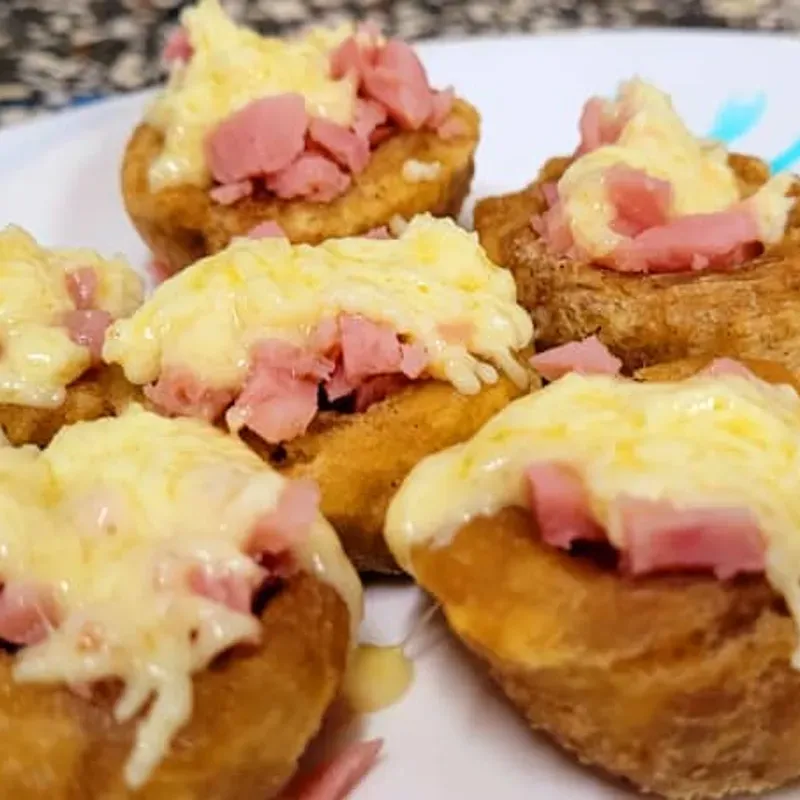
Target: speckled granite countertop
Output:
{"points": [[57, 52]]}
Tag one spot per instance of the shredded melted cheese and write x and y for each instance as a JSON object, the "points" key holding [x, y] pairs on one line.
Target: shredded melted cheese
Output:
{"points": [[725, 441], [109, 516], [208, 317], [231, 67], [656, 140], [37, 357]]}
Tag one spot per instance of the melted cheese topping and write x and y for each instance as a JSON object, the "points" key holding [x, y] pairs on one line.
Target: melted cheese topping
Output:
{"points": [[37, 357], [656, 140], [107, 515], [208, 317], [231, 67], [728, 442]]}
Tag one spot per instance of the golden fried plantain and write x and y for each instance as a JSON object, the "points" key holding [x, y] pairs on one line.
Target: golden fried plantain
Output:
{"points": [[182, 224], [101, 392], [254, 713], [644, 319], [359, 460], [682, 684]]}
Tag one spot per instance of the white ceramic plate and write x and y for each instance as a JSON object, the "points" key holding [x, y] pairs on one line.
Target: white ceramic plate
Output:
{"points": [[452, 736]]}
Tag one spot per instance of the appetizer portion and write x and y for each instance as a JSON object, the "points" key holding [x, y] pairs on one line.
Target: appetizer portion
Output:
{"points": [[346, 362], [623, 556], [135, 552], [328, 134], [55, 306], [662, 244]]}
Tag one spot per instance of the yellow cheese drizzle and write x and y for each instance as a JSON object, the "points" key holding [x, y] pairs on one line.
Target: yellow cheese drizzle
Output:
{"points": [[208, 317], [37, 357], [232, 66], [702, 442], [107, 516]]}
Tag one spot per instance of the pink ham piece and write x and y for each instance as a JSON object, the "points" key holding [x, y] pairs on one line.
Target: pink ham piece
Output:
{"points": [[373, 390], [721, 240], [399, 83], [279, 398], [262, 138], [177, 47], [452, 128], [335, 779], [378, 233], [368, 116], [588, 357], [601, 123], [289, 524], [28, 613], [229, 193], [368, 348], [721, 367], [311, 176], [179, 393], [641, 202], [347, 148], [442, 105], [660, 536], [225, 587], [82, 287], [267, 230], [88, 329], [553, 227], [560, 504], [352, 58]]}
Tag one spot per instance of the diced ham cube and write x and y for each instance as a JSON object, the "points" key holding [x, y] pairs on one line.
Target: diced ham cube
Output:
{"points": [[347, 148], [82, 287], [180, 393], [88, 329], [290, 523], [560, 504], [641, 202], [267, 230], [225, 587], [368, 348], [660, 536], [588, 357], [262, 138], [28, 612], [369, 115], [229, 193], [313, 177]]}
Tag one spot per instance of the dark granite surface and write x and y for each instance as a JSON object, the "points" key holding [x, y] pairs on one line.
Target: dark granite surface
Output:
{"points": [[57, 52]]}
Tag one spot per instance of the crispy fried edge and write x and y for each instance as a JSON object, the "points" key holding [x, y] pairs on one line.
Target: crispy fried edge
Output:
{"points": [[680, 684], [359, 460], [182, 224], [645, 319], [101, 392], [255, 712]]}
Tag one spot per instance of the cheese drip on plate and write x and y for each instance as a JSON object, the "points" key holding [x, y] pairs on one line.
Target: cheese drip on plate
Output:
{"points": [[38, 359], [703, 442], [208, 317], [231, 66], [654, 139], [108, 518]]}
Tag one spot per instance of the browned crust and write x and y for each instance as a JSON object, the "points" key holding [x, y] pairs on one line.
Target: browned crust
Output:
{"points": [[681, 684], [101, 392], [182, 224], [255, 712], [646, 319], [359, 460]]}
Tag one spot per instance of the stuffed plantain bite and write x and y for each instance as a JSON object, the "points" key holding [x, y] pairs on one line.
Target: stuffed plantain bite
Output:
{"points": [[55, 305], [346, 362], [661, 244], [621, 556], [175, 616], [330, 135]]}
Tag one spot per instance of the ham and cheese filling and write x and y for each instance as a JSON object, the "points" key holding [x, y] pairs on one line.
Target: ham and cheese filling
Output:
{"points": [[644, 195], [131, 550], [265, 328], [700, 474], [297, 117], [55, 306]]}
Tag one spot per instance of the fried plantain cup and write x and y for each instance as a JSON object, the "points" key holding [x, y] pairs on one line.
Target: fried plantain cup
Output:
{"points": [[255, 711], [101, 392], [680, 683], [359, 460], [182, 224], [751, 311]]}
